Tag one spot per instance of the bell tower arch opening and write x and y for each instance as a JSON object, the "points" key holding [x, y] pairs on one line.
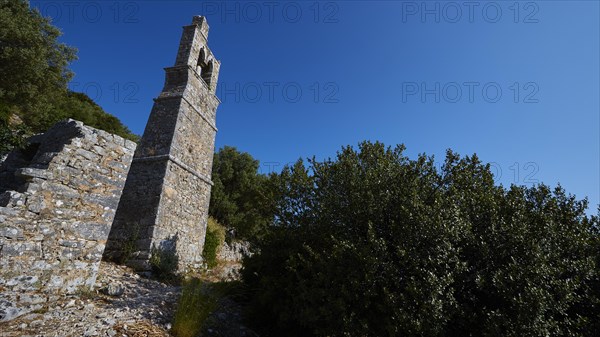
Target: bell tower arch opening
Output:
{"points": [[205, 67]]}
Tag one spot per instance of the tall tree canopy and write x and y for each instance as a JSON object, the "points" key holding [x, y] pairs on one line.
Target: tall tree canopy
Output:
{"points": [[375, 244], [35, 74], [33, 63], [241, 197]]}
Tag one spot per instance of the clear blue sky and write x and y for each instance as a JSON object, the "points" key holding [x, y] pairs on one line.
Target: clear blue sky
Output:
{"points": [[516, 84]]}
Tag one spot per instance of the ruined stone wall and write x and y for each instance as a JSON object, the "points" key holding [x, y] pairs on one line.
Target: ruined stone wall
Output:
{"points": [[58, 198], [76, 195]]}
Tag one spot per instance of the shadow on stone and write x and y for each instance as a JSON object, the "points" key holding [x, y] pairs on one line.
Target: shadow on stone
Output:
{"points": [[164, 260]]}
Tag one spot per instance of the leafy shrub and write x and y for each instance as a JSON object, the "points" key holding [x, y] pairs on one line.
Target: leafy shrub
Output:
{"points": [[215, 236], [128, 246], [11, 137], [80, 107], [164, 262], [375, 244]]}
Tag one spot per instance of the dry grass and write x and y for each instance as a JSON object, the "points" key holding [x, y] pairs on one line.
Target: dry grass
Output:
{"points": [[140, 329], [195, 306]]}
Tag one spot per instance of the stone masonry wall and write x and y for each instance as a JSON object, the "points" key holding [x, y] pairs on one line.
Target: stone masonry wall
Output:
{"points": [[164, 207], [58, 198]]}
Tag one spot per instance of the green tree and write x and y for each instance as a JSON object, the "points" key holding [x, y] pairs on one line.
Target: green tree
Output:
{"points": [[241, 197], [11, 136], [79, 106], [375, 244], [34, 65], [35, 73]]}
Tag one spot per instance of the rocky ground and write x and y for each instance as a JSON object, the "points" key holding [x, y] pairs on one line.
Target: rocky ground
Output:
{"points": [[123, 304]]}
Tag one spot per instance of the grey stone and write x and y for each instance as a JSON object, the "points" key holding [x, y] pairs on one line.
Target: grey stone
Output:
{"points": [[32, 299], [14, 249], [36, 324], [22, 280], [10, 232], [130, 145], [9, 212], [36, 203], [69, 244], [62, 190], [87, 154], [234, 251], [113, 289], [109, 321], [30, 172], [9, 311], [117, 165], [56, 281], [10, 198], [92, 231], [99, 150]]}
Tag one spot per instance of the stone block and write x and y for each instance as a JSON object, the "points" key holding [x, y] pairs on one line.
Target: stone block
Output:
{"points": [[87, 154], [130, 145], [92, 231], [9, 212], [10, 232], [30, 172]]}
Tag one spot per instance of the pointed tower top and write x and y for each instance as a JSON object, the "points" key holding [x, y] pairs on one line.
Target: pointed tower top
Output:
{"points": [[201, 22]]}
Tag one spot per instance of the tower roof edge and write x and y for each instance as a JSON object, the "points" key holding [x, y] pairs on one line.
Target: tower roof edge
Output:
{"points": [[201, 22]]}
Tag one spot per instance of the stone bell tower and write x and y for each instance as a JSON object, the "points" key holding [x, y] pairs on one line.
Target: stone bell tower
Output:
{"points": [[163, 210]]}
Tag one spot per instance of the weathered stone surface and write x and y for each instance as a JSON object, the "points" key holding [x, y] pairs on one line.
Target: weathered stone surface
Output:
{"points": [[92, 312], [165, 201], [9, 310], [60, 194], [10, 232], [113, 289], [53, 228], [9, 212], [234, 251], [30, 172]]}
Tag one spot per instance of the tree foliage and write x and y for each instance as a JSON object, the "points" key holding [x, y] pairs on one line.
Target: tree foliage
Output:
{"points": [[375, 244], [241, 197], [79, 106], [35, 74], [32, 61]]}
